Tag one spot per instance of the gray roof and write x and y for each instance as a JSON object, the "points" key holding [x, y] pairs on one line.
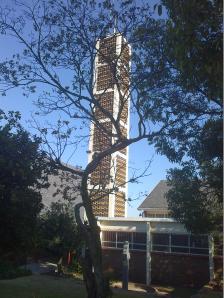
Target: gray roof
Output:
{"points": [[63, 187], [156, 198]]}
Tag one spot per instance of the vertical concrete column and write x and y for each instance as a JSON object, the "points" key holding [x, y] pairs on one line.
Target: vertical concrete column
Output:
{"points": [[148, 254], [211, 255]]}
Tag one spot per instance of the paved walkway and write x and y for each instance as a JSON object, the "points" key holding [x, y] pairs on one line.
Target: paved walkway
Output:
{"points": [[41, 267], [141, 288]]}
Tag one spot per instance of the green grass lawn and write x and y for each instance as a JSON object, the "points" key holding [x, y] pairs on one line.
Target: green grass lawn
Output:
{"points": [[44, 286], [39, 286]]}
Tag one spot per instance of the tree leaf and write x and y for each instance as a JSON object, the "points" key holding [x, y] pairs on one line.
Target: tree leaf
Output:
{"points": [[160, 10]]}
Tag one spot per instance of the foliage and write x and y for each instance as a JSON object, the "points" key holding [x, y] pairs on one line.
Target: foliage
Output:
{"points": [[9, 271], [183, 83], [195, 49], [58, 230], [207, 151], [75, 266], [192, 53], [23, 172], [194, 45], [191, 203], [196, 195], [180, 72]]}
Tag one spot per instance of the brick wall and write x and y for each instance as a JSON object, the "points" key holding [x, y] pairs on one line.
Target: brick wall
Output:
{"points": [[218, 266], [182, 270], [112, 263], [172, 269]]}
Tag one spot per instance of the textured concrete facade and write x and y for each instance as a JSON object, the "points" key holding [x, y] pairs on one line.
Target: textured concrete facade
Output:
{"points": [[111, 83]]}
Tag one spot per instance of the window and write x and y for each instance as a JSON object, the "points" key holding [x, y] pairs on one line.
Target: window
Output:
{"points": [[180, 243], [109, 239], [113, 239], [139, 241], [160, 242], [156, 215], [122, 237], [199, 245]]}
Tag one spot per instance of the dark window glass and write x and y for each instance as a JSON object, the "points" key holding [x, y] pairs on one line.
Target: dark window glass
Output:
{"points": [[199, 251], [139, 246], [160, 239], [199, 241], [160, 248], [179, 240], [109, 236], [139, 237], [180, 249], [123, 236], [120, 245], [108, 244]]}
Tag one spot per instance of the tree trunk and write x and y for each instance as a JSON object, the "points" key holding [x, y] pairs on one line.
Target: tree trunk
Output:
{"points": [[96, 285], [96, 256], [88, 276]]}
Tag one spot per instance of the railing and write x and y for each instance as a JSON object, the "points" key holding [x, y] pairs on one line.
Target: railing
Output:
{"points": [[137, 241], [183, 244], [160, 242]]}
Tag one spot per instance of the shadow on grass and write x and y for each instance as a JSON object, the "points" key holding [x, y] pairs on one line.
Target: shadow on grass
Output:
{"points": [[45, 286], [183, 292]]}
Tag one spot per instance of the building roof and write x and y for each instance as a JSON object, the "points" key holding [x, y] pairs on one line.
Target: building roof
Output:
{"points": [[156, 198], [63, 187], [134, 219]]}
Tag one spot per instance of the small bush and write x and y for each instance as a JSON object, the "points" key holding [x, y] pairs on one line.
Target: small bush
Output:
{"points": [[75, 266], [9, 271]]}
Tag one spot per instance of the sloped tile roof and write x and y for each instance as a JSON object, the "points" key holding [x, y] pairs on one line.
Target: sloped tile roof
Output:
{"points": [[156, 198], [63, 187]]}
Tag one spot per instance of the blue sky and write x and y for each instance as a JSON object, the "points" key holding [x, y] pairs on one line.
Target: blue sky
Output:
{"points": [[139, 153]]}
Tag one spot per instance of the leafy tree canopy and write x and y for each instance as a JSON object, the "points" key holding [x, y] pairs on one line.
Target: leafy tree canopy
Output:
{"points": [[180, 72], [194, 45], [193, 54], [23, 172], [196, 195], [58, 230]]}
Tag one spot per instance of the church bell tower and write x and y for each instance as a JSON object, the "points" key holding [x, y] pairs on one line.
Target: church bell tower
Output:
{"points": [[108, 183]]}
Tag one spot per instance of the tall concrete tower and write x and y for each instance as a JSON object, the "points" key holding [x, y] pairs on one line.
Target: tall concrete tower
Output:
{"points": [[108, 185]]}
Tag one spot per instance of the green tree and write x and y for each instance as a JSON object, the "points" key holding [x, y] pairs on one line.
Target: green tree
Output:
{"points": [[181, 76], [23, 172], [194, 45], [181, 79], [195, 198], [58, 230]]}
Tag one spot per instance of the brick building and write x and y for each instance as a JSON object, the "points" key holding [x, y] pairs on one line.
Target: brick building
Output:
{"points": [[161, 249], [111, 82]]}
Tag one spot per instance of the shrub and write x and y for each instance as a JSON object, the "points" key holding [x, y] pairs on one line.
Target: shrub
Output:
{"points": [[9, 271]]}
